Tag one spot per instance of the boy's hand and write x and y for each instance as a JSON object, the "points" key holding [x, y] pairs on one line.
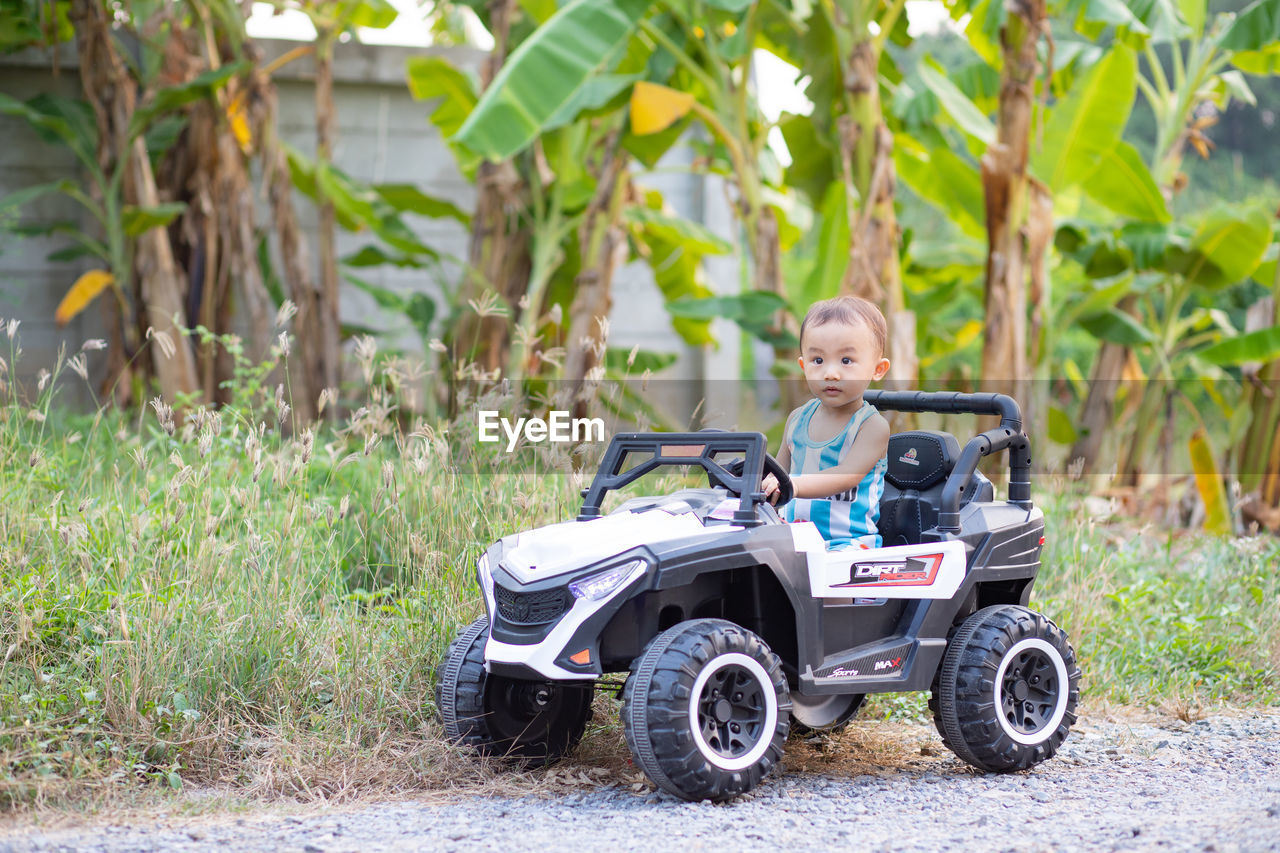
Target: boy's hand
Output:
{"points": [[769, 485]]}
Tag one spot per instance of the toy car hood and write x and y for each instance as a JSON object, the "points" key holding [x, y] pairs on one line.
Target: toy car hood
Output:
{"points": [[559, 548]]}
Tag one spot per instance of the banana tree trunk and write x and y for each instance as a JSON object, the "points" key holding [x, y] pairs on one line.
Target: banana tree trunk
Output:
{"points": [[306, 364], [215, 239], [1099, 405], [603, 244], [866, 150], [1004, 183], [1258, 456], [162, 286], [499, 259], [111, 91], [766, 275], [328, 310]]}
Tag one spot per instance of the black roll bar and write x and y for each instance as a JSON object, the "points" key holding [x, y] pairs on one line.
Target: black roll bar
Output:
{"points": [[682, 448], [1008, 435]]}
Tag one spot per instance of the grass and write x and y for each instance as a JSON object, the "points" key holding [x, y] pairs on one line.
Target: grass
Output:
{"points": [[211, 601], [1160, 616]]}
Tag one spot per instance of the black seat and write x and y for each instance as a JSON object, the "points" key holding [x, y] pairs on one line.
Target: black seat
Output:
{"points": [[919, 464]]}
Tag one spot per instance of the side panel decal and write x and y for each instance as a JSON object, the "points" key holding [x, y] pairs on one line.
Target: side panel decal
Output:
{"points": [[929, 570]]}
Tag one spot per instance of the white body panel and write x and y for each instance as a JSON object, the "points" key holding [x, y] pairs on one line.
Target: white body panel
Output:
{"points": [[930, 570], [559, 548]]}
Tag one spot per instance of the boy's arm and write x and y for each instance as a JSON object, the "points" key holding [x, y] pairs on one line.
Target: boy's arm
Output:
{"points": [[870, 446]]}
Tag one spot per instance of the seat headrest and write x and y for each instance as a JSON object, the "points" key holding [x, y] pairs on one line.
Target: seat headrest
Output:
{"points": [[921, 459]]}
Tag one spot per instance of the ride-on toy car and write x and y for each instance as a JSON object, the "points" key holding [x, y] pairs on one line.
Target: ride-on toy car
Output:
{"points": [[733, 625]]}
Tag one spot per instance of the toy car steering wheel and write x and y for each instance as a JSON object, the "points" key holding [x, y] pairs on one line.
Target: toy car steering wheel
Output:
{"points": [[786, 491]]}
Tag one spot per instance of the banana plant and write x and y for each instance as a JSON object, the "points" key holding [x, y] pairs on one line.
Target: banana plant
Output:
{"points": [[331, 19], [702, 72], [565, 150], [844, 153], [540, 136], [1257, 455], [1200, 51], [117, 226], [1160, 287]]}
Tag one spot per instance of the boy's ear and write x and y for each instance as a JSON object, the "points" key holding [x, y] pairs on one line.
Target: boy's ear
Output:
{"points": [[882, 367]]}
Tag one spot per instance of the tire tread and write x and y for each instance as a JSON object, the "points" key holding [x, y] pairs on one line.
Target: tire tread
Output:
{"points": [[964, 690]]}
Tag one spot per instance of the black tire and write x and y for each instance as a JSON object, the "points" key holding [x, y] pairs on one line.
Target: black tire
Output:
{"points": [[737, 738], [1005, 696], [534, 722], [825, 714]]}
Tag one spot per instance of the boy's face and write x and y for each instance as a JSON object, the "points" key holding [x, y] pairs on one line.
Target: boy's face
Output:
{"points": [[839, 361]]}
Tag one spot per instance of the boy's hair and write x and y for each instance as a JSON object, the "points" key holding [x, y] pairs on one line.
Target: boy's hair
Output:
{"points": [[850, 310]]}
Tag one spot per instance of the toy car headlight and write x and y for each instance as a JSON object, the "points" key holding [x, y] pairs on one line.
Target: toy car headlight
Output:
{"points": [[605, 583]]}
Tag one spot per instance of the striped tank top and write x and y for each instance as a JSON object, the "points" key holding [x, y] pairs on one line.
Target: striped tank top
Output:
{"points": [[851, 516]]}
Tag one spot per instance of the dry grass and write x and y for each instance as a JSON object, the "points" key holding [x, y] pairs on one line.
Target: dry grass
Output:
{"points": [[254, 614]]}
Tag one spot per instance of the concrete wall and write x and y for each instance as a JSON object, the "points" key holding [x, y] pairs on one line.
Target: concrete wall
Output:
{"points": [[384, 136]]}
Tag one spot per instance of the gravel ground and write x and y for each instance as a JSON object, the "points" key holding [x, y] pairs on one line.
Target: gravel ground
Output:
{"points": [[1209, 785]]}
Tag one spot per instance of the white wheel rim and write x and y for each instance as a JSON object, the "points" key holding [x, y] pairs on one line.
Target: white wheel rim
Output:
{"points": [[1064, 687], [770, 711]]}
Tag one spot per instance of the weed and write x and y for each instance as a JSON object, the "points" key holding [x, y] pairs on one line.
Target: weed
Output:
{"points": [[229, 598], [1157, 617]]}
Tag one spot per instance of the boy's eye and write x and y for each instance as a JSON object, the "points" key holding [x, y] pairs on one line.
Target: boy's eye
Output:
{"points": [[846, 360], [817, 360]]}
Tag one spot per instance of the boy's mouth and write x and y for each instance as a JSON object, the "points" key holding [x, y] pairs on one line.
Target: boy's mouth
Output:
{"points": [[832, 389]]}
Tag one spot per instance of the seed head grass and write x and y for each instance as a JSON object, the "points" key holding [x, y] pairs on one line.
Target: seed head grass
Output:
{"points": [[229, 600], [205, 598]]}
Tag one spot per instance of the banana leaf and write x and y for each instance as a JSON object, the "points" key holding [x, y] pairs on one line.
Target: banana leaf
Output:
{"points": [[1087, 124], [548, 71]]}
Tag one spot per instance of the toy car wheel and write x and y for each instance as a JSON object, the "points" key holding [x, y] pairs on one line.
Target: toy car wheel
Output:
{"points": [[827, 714], [706, 710], [536, 722], [1005, 695]]}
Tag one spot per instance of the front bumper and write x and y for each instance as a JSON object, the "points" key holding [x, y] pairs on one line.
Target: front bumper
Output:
{"points": [[544, 650]]}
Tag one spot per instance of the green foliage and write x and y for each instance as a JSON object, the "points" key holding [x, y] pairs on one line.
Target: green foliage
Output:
{"points": [[550, 75], [963, 111], [1227, 246], [418, 308], [360, 206], [407, 198], [1088, 122], [753, 310], [832, 255], [943, 179], [184, 602], [1154, 617], [137, 220], [191, 601], [432, 77], [170, 98], [1257, 28], [674, 249], [1122, 182], [1260, 346]]}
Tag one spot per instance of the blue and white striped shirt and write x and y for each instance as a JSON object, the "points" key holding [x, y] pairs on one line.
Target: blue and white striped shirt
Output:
{"points": [[851, 516]]}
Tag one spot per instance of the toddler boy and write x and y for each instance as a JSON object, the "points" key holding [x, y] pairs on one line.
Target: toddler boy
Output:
{"points": [[835, 446]]}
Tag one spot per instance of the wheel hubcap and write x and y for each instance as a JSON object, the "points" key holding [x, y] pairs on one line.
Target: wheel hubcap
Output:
{"points": [[732, 711], [1030, 691]]}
